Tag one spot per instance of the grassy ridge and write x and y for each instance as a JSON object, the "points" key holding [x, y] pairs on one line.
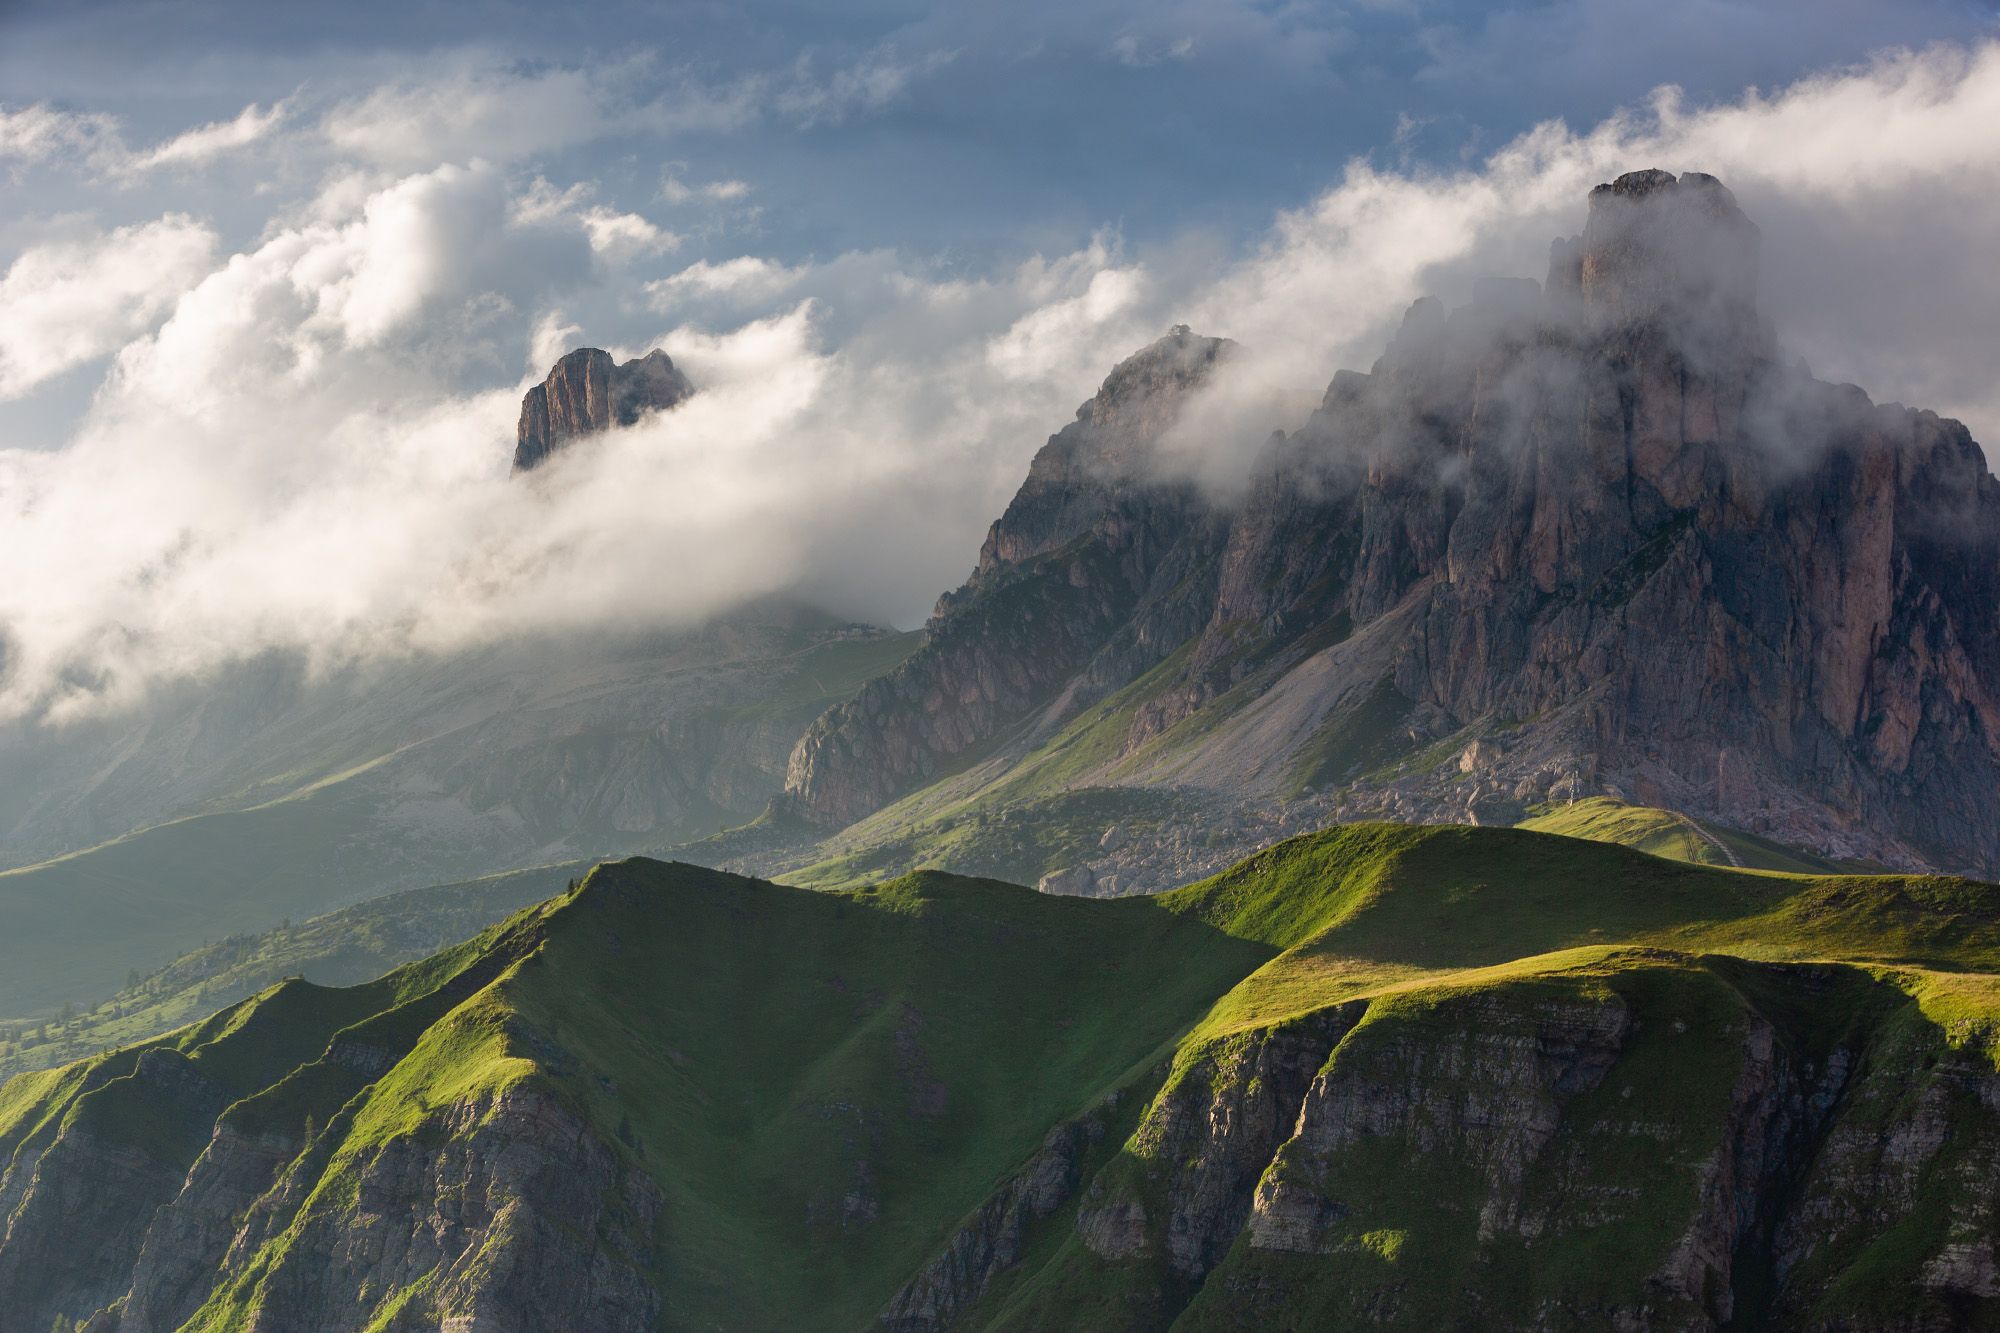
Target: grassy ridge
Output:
{"points": [[824, 1084], [328, 840]]}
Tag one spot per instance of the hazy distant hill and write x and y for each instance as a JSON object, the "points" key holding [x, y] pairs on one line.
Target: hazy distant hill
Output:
{"points": [[272, 796]]}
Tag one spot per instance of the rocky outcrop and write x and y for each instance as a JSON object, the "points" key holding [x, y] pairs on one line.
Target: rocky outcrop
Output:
{"points": [[587, 392], [94, 1180], [1598, 525], [1219, 1122], [1504, 1157], [507, 1214]]}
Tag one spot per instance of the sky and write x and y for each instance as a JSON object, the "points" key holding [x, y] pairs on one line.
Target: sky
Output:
{"points": [[273, 278]]}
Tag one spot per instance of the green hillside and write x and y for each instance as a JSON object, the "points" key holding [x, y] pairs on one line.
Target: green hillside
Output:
{"points": [[1674, 835], [799, 1108]]}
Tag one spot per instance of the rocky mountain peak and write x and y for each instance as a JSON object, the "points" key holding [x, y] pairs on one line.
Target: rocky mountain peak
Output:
{"points": [[587, 392], [1141, 397], [1603, 521], [1657, 248]]}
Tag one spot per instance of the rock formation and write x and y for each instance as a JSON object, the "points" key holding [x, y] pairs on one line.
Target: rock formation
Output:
{"points": [[586, 392], [1600, 526]]}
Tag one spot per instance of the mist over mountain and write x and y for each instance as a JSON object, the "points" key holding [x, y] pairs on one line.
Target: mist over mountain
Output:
{"points": [[1588, 537]]}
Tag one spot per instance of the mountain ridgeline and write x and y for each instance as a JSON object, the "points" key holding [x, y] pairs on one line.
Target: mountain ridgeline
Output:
{"points": [[1377, 1076], [1588, 537]]}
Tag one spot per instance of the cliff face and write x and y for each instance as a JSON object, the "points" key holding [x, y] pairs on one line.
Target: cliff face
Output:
{"points": [[586, 392], [1597, 526]]}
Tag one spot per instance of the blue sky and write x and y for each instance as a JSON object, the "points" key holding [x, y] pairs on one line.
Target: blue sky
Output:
{"points": [[990, 129], [274, 277]]}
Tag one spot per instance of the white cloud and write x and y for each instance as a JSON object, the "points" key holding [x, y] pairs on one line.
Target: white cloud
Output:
{"points": [[615, 235], [676, 191], [1134, 53], [207, 142], [64, 303], [39, 134], [32, 135], [294, 459], [878, 79], [476, 109], [748, 277]]}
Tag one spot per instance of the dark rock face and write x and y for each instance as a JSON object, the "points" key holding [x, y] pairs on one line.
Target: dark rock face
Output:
{"points": [[586, 392], [1601, 522]]}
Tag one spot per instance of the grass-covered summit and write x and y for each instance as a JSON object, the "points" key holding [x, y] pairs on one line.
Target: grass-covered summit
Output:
{"points": [[1382, 1074]]}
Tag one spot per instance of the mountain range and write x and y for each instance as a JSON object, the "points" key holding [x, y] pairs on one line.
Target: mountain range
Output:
{"points": [[1512, 854]]}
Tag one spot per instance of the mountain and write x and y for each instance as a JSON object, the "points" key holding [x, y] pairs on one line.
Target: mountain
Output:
{"points": [[1414, 1077], [1593, 537], [273, 793], [587, 393]]}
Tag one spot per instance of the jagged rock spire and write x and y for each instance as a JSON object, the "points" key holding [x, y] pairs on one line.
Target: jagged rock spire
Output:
{"points": [[586, 392]]}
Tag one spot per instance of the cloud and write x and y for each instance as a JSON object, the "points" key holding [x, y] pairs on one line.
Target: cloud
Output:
{"points": [[207, 142], [1130, 51], [875, 81], [676, 191], [309, 453], [473, 108], [746, 277], [32, 135], [68, 302], [475, 105], [616, 236], [41, 134]]}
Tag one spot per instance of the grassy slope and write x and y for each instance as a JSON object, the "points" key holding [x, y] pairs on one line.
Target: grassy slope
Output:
{"points": [[1448, 930], [1671, 834], [825, 1083]]}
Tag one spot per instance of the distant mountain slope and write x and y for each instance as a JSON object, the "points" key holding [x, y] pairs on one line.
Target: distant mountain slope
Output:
{"points": [[321, 795], [1381, 1075], [1588, 538]]}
